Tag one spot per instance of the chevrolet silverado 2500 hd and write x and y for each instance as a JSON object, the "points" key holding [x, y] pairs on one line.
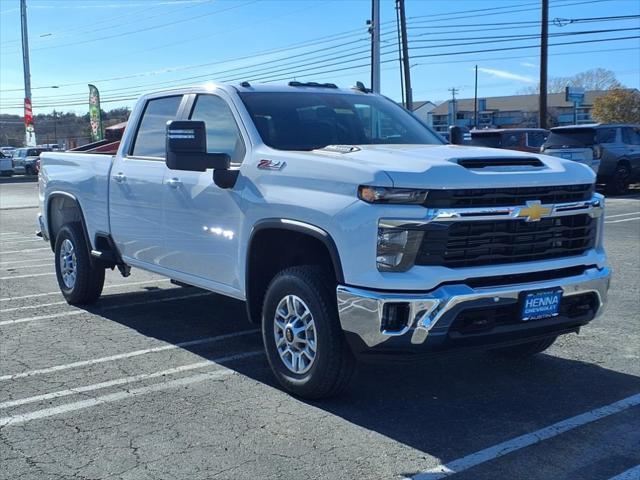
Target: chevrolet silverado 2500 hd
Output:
{"points": [[346, 225]]}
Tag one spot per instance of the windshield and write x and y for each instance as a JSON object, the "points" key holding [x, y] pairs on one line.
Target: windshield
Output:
{"points": [[571, 137], [34, 152], [310, 120]]}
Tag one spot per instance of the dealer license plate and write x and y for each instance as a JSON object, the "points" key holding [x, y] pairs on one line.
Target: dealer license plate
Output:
{"points": [[541, 304]]}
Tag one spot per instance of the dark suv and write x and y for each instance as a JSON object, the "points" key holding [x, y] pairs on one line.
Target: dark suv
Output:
{"points": [[522, 139], [612, 151]]}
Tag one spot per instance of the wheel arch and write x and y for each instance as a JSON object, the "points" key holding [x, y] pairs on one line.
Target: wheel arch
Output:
{"points": [[307, 244], [63, 208]]}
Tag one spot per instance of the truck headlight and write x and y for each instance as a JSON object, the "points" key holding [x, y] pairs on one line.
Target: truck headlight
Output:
{"points": [[402, 196], [397, 249]]}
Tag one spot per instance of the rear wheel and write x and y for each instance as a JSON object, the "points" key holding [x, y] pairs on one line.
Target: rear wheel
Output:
{"points": [[303, 339], [524, 350], [80, 282], [29, 170], [619, 182]]}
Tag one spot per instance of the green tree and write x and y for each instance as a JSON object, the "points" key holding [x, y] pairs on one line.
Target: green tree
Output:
{"points": [[617, 106]]}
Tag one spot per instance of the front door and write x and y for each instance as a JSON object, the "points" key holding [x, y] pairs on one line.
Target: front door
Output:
{"points": [[201, 220], [136, 186]]}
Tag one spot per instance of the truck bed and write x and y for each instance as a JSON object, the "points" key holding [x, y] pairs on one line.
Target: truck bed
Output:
{"points": [[84, 176]]}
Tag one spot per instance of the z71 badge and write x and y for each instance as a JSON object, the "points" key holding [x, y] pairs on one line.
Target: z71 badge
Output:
{"points": [[271, 165]]}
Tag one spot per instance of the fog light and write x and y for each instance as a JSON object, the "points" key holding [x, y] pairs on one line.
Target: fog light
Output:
{"points": [[395, 317]]}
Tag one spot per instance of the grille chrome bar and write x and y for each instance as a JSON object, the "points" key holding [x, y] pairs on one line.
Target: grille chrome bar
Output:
{"points": [[592, 207]]}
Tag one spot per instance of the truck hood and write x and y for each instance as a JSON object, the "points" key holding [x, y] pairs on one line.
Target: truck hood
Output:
{"points": [[437, 167]]}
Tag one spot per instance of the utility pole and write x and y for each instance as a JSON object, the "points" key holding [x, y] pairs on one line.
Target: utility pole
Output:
{"points": [[30, 134], [402, 96], [405, 55], [375, 46], [475, 102], [544, 40], [453, 91]]}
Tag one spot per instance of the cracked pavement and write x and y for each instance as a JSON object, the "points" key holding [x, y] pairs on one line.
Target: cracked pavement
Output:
{"points": [[211, 419]]}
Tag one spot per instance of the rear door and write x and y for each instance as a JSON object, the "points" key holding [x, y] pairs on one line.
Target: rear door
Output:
{"points": [[631, 140], [202, 221], [136, 185]]}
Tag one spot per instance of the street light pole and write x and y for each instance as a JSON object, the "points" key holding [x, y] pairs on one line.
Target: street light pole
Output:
{"points": [[30, 134]]}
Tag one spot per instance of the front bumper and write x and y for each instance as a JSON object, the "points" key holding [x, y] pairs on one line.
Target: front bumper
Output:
{"points": [[431, 317]]}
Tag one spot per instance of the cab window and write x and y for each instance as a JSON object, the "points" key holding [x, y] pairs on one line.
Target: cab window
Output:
{"points": [[150, 138], [631, 135], [223, 135]]}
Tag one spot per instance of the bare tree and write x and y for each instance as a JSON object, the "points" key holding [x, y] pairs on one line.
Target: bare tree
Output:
{"points": [[595, 79]]}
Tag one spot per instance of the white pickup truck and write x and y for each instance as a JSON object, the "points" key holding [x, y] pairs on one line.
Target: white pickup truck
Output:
{"points": [[348, 227]]}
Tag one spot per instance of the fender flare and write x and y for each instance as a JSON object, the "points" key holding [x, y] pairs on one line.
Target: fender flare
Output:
{"points": [[294, 226], [74, 199]]}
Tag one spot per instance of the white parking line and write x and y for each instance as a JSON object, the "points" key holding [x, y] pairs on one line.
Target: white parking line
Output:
{"points": [[621, 215], [12, 277], [631, 474], [5, 241], [20, 262], [526, 440], [624, 220], [57, 292], [125, 380], [64, 302], [120, 356], [112, 307], [37, 265], [221, 371], [25, 251]]}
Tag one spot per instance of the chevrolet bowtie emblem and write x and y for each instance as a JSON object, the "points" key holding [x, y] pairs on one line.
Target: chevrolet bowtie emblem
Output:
{"points": [[534, 211]]}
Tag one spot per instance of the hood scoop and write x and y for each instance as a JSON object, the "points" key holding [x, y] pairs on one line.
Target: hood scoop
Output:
{"points": [[477, 163]]}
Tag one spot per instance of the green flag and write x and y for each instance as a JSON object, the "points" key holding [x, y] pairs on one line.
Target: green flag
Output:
{"points": [[95, 115]]}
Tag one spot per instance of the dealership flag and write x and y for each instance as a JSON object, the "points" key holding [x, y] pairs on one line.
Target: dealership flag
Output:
{"points": [[95, 115], [30, 131]]}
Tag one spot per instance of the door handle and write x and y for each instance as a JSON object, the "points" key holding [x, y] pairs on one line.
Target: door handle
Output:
{"points": [[119, 177], [173, 182]]}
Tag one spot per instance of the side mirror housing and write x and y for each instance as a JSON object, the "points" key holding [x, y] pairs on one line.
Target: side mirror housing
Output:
{"points": [[186, 148], [456, 137]]}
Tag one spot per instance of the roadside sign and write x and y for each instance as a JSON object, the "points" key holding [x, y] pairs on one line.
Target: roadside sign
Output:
{"points": [[574, 95]]}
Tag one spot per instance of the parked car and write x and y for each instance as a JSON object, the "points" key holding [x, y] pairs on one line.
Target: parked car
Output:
{"points": [[612, 151], [7, 151], [6, 165], [25, 160], [348, 228], [521, 139]]}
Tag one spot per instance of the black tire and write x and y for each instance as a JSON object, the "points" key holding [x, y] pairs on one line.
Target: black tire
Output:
{"points": [[29, 171], [334, 364], [89, 279], [524, 350], [619, 182]]}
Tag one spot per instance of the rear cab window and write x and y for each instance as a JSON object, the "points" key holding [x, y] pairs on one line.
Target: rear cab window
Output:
{"points": [[493, 140], [571, 138], [150, 137]]}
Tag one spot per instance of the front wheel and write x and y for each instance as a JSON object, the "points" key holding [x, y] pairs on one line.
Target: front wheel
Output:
{"points": [[619, 182], [304, 342], [80, 282]]}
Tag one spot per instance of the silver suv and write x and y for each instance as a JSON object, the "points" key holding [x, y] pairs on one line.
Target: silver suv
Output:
{"points": [[612, 151]]}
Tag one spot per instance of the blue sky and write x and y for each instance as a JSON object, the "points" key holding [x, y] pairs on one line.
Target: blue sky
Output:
{"points": [[130, 47]]}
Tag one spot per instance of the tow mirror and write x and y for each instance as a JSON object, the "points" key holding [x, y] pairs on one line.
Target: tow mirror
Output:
{"points": [[456, 137], [187, 148]]}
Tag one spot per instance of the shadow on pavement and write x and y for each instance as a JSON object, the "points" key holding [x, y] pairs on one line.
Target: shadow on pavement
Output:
{"points": [[18, 179], [446, 407]]}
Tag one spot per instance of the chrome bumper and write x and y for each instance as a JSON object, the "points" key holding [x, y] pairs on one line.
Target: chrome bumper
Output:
{"points": [[361, 310]]}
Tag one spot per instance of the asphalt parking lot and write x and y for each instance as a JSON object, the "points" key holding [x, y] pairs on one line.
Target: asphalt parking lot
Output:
{"points": [[162, 382]]}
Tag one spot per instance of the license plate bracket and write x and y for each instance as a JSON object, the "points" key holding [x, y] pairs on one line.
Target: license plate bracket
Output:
{"points": [[539, 304]]}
